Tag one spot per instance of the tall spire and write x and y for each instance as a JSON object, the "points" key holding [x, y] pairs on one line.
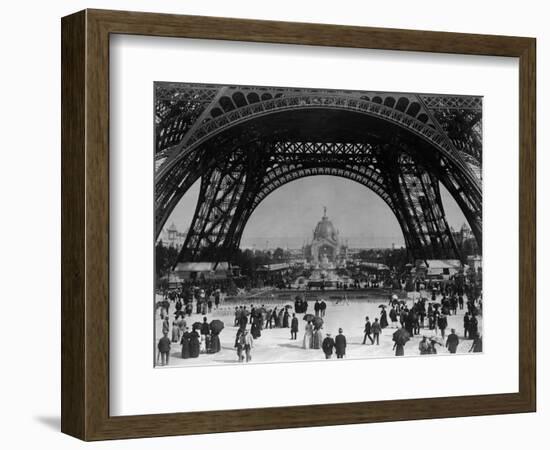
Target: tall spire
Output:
{"points": [[324, 211]]}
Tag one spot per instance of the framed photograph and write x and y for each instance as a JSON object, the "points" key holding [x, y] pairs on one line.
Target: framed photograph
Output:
{"points": [[274, 225]]}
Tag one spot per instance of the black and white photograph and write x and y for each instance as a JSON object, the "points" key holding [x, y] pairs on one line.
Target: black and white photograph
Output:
{"points": [[300, 224]]}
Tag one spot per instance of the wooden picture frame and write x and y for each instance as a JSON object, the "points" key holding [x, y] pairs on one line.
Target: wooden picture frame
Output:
{"points": [[85, 224]]}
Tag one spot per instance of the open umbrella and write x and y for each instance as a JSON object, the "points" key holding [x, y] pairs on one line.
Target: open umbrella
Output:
{"points": [[288, 306], [309, 317], [381, 306], [197, 326], [401, 336], [317, 322], [216, 326]]}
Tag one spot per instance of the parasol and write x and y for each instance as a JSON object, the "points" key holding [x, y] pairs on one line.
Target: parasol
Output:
{"points": [[197, 325], [401, 336], [216, 326], [317, 322], [381, 306], [309, 317]]}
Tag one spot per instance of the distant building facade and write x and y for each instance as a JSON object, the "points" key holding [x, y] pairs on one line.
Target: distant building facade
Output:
{"points": [[172, 237], [326, 243]]}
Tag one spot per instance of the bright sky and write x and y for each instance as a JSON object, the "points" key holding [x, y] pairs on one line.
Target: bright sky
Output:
{"points": [[288, 215]]}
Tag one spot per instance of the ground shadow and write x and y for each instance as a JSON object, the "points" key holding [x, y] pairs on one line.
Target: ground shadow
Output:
{"points": [[289, 345], [52, 422]]}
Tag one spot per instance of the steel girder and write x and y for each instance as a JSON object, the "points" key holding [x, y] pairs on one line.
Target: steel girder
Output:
{"points": [[237, 181], [210, 132]]}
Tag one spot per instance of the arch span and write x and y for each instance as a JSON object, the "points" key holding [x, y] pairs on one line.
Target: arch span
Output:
{"points": [[244, 160]]}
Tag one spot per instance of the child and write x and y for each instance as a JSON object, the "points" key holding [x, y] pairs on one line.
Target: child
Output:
{"points": [[164, 349]]}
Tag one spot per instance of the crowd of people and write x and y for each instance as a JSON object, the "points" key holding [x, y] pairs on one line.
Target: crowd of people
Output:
{"points": [[427, 316]]}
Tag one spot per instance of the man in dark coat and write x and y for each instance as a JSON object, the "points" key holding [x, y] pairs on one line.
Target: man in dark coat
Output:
{"points": [[323, 308], [164, 349], [294, 327], [472, 327], [205, 328], [328, 346], [368, 329], [376, 330], [340, 344], [466, 326], [317, 307], [442, 324], [452, 341]]}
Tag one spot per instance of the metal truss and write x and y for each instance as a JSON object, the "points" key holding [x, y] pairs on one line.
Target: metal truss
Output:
{"points": [[440, 143]]}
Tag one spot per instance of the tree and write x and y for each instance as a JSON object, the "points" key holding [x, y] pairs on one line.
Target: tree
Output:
{"points": [[278, 254]]}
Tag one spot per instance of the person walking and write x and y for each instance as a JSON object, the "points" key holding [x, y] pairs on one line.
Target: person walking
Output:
{"points": [[424, 346], [323, 308], [176, 331], [317, 307], [442, 324], [328, 346], [452, 341], [376, 330], [185, 341], [194, 344], [400, 338], [205, 335], [473, 327], [367, 331], [164, 349], [166, 325], [317, 338], [393, 317], [248, 344], [466, 326], [286, 316], [477, 345], [294, 328], [308, 336], [383, 318], [239, 344], [340, 344]]}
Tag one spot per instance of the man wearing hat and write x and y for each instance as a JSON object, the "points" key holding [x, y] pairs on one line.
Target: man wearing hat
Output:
{"points": [[452, 341], [340, 344], [328, 346]]}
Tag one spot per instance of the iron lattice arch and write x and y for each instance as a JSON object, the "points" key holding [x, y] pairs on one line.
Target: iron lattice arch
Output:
{"points": [[245, 142]]}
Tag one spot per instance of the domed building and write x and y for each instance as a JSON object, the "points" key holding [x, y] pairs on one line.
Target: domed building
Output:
{"points": [[326, 243]]}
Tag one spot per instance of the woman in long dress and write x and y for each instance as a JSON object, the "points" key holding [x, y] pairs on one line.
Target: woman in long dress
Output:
{"points": [[285, 318], [185, 341], [215, 345], [280, 318], [383, 318], [176, 332], [308, 336], [255, 330], [317, 340], [194, 344]]}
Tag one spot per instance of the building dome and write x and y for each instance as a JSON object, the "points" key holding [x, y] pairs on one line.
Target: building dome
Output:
{"points": [[325, 229]]}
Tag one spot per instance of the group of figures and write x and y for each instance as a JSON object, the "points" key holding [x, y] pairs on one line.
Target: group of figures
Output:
{"points": [[201, 338], [412, 320], [203, 298], [425, 316]]}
